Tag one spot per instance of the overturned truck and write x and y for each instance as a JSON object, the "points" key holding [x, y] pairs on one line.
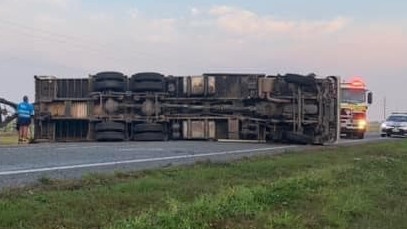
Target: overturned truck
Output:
{"points": [[111, 106]]}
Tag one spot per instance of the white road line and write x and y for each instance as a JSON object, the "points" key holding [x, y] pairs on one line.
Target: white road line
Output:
{"points": [[16, 172]]}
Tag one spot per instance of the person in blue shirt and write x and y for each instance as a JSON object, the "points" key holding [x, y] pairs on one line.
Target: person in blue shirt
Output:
{"points": [[25, 112]]}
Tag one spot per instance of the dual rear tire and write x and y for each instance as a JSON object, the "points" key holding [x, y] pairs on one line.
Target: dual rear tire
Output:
{"points": [[140, 82], [149, 132], [109, 81], [117, 82], [147, 82], [110, 131]]}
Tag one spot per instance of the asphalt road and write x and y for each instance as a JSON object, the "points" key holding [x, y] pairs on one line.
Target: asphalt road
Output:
{"points": [[23, 165]]}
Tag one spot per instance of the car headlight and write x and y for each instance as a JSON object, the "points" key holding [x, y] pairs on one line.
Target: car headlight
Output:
{"points": [[362, 124], [383, 126]]}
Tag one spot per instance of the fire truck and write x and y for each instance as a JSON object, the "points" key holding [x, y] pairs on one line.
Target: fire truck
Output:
{"points": [[150, 106], [355, 100]]}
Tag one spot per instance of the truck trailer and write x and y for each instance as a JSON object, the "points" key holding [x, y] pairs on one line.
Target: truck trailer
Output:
{"points": [[148, 106]]}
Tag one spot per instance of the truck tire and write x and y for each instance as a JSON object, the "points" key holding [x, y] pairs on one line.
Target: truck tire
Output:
{"points": [[147, 82], [109, 85], [150, 136], [300, 79], [109, 136], [102, 76], [147, 86], [109, 81], [110, 126], [147, 76], [148, 127]]}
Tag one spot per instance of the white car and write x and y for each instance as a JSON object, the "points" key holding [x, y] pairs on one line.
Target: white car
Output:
{"points": [[395, 125]]}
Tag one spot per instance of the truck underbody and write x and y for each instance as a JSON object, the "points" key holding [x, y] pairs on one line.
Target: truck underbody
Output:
{"points": [[110, 106]]}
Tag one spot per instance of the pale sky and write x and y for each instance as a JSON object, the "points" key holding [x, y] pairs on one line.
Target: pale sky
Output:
{"points": [[73, 38]]}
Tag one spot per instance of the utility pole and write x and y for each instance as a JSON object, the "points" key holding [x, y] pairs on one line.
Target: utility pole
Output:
{"points": [[384, 108]]}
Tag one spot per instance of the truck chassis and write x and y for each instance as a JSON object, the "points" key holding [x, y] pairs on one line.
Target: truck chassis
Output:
{"points": [[148, 106]]}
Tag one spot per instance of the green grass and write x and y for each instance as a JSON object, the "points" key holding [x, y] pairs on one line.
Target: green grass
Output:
{"points": [[8, 138], [347, 187]]}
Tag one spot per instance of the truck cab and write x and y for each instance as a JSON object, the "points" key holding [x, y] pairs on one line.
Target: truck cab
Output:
{"points": [[355, 99]]}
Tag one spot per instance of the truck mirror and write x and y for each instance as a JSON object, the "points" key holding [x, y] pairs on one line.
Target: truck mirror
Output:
{"points": [[369, 98]]}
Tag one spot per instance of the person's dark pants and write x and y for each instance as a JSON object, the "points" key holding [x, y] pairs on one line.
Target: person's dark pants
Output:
{"points": [[22, 121], [23, 124]]}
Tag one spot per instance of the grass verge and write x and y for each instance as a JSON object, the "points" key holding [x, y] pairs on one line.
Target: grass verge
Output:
{"points": [[8, 139], [347, 187]]}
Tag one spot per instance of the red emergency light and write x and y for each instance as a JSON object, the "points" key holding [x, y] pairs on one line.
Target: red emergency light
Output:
{"points": [[357, 82]]}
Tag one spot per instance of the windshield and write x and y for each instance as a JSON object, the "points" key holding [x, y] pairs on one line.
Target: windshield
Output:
{"points": [[397, 118], [353, 95]]}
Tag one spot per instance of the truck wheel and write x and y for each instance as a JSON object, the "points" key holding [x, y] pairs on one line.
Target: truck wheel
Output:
{"points": [[109, 126], [148, 127], [148, 81], [102, 76], [150, 136], [109, 136], [109, 85], [147, 86], [109, 81], [147, 76], [149, 132]]}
